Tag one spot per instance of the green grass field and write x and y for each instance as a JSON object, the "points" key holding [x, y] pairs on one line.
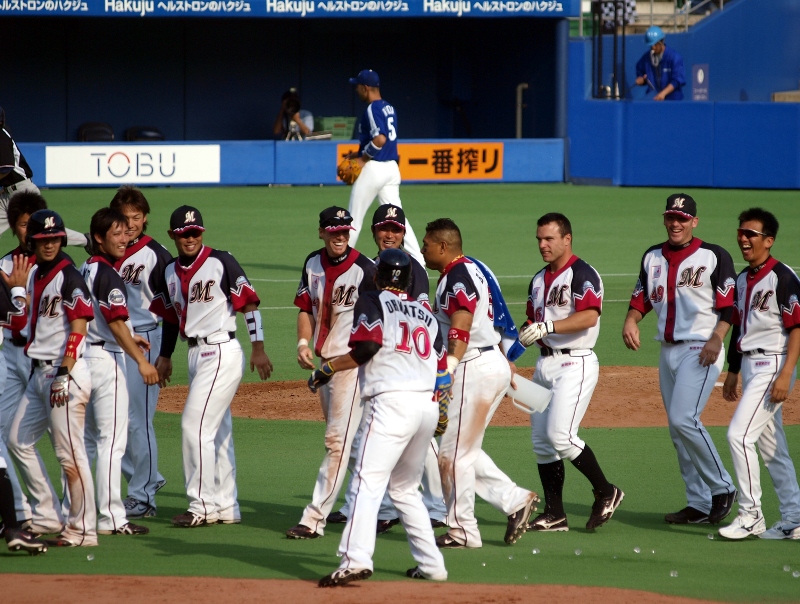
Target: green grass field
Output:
{"points": [[271, 231]]}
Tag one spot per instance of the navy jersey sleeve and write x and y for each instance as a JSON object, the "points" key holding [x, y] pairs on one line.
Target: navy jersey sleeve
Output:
{"points": [[420, 286], [460, 292], [368, 282], [235, 283], [587, 290], [75, 294], [367, 320], [161, 304], [302, 299], [163, 258], [787, 293], [109, 291]]}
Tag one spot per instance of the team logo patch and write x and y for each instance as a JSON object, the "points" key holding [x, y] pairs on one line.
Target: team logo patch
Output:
{"points": [[792, 300], [678, 202], [656, 271], [77, 293], [362, 318], [459, 287], [241, 281], [172, 290], [535, 293], [587, 286], [116, 297], [729, 282], [340, 214], [391, 213], [50, 222], [189, 217]]}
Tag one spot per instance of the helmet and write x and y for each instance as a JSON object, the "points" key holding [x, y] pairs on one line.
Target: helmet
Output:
{"points": [[394, 269], [43, 224], [653, 35]]}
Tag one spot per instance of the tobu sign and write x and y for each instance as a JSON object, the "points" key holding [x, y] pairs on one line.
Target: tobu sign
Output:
{"points": [[445, 161], [139, 164]]}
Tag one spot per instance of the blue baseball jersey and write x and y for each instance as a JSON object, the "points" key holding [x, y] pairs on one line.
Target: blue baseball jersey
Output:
{"points": [[379, 118]]}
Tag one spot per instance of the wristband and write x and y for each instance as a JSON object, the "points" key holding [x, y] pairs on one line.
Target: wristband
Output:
{"points": [[371, 150], [301, 342], [254, 327], [74, 342], [458, 334], [18, 292], [452, 363]]}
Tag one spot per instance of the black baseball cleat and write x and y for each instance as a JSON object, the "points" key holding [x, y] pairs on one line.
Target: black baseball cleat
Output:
{"points": [[518, 521], [437, 523], [60, 541], [19, 539], [301, 531], [721, 506], [548, 523], [447, 542], [384, 526], [687, 515], [336, 518], [343, 576], [603, 508]]}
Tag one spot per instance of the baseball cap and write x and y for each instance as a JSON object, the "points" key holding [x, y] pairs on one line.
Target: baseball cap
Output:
{"points": [[335, 218], [367, 77], [682, 205], [389, 213], [185, 218]]}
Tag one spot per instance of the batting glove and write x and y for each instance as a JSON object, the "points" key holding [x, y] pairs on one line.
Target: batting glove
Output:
{"points": [[535, 331], [59, 388], [321, 376]]}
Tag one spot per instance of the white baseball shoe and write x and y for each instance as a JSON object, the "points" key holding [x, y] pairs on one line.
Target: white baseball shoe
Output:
{"points": [[744, 526], [782, 530]]}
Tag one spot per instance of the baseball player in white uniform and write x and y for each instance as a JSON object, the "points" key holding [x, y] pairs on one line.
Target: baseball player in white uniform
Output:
{"points": [[481, 377], [397, 346], [388, 231], [765, 346], [690, 285], [378, 158], [59, 387], [109, 340], [203, 290], [142, 268], [13, 315], [565, 300], [333, 279], [15, 367]]}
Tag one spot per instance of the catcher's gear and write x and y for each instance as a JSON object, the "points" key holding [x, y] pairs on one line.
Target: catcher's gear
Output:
{"points": [[59, 388], [348, 170], [43, 224], [535, 331], [321, 376], [393, 270]]}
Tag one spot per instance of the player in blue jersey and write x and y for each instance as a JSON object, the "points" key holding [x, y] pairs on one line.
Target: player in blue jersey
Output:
{"points": [[377, 156]]}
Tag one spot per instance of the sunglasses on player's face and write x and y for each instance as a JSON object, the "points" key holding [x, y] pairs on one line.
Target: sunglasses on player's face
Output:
{"points": [[750, 233], [191, 233]]}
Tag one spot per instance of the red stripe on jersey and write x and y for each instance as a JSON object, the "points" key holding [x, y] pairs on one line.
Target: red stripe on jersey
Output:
{"points": [[332, 273], [791, 316], [752, 280], [81, 309], [132, 249], [590, 300], [723, 298], [185, 275], [159, 306], [364, 332], [641, 302], [303, 302], [38, 289], [674, 259], [242, 296], [459, 300]]}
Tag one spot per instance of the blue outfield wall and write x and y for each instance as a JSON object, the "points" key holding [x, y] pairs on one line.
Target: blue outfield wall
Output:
{"points": [[304, 163]]}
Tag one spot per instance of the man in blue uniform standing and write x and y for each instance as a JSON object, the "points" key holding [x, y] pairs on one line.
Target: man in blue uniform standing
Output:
{"points": [[661, 68]]}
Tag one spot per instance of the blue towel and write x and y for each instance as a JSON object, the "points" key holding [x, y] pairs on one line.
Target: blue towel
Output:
{"points": [[502, 316]]}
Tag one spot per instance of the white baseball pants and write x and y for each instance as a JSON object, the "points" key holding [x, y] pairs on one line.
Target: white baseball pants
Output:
{"points": [[572, 379], [758, 420], [67, 430], [15, 369], [140, 462], [685, 388], [209, 463], [379, 179], [395, 441], [479, 386], [343, 409], [107, 432]]}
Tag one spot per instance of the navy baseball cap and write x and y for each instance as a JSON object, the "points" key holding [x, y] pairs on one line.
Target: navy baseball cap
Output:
{"points": [[388, 213], [367, 77], [186, 218], [335, 218], [682, 205]]}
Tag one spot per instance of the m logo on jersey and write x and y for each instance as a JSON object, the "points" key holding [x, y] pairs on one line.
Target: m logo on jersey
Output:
{"points": [[189, 217], [50, 222], [761, 300], [131, 273], [201, 292], [558, 296], [690, 277], [48, 306], [342, 297]]}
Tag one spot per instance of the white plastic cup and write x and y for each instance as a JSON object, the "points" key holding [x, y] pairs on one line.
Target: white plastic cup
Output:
{"points": [[529, 397]]}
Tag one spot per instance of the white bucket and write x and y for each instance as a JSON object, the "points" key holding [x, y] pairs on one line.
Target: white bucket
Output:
{"points": [[529, 397]]}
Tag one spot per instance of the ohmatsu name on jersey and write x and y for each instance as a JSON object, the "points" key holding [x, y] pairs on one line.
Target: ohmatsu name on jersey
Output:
{"points": [[411, 311]]}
